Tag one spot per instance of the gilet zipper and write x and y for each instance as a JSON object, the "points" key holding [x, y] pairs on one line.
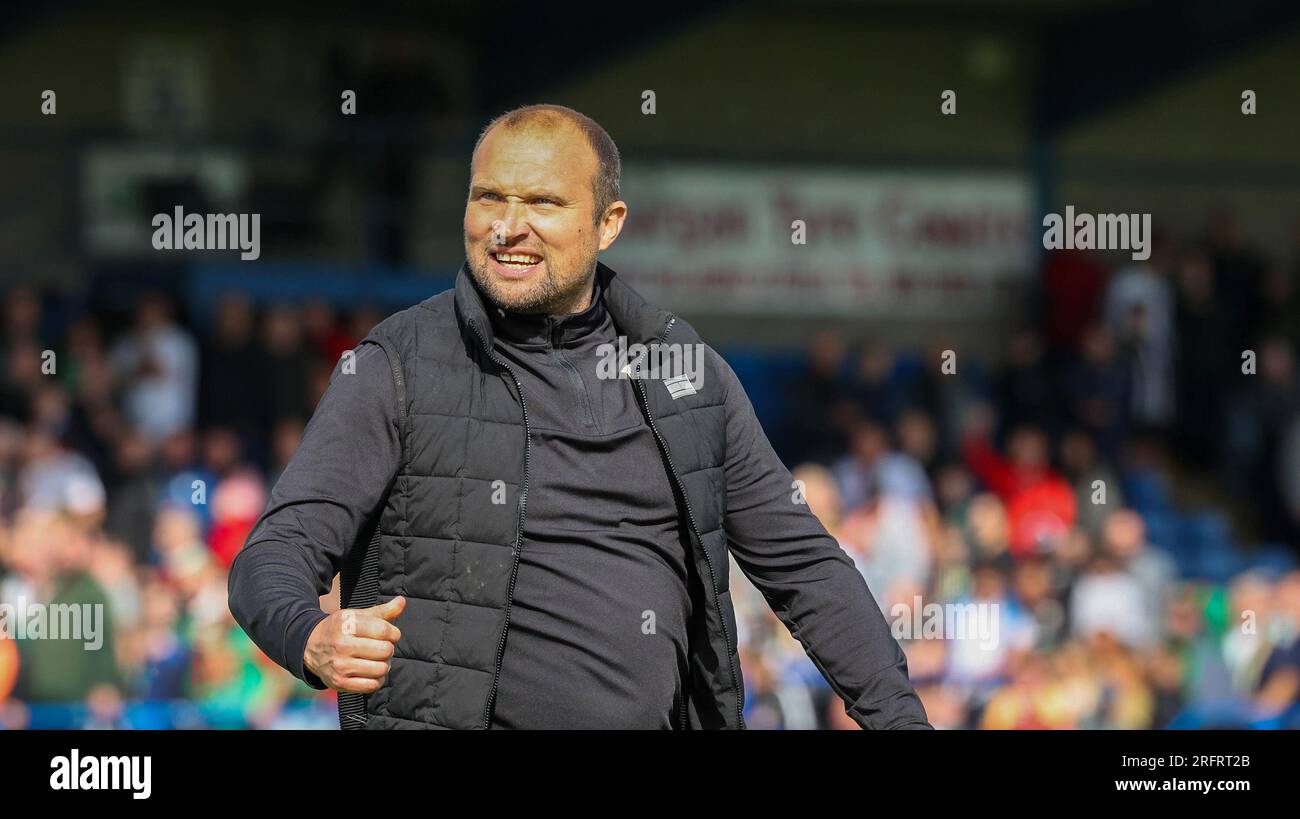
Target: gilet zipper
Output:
{"points": [[519, 531], [713, 588]]}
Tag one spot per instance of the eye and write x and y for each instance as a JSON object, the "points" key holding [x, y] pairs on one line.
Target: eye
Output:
{"points": [[545, 200], [489, 196]]}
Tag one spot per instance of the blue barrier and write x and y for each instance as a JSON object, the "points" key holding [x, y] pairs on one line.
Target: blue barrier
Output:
{"points": [[345, 287], [176, 714]]}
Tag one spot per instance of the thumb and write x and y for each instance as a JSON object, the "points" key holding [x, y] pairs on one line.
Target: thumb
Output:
{"points": [[388, 611]]}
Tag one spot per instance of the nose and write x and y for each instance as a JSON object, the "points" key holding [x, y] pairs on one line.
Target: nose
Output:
{"points": [[512, 225]]}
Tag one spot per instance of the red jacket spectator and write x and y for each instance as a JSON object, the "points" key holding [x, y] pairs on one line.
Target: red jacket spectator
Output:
{"points": [[1040, 503]]}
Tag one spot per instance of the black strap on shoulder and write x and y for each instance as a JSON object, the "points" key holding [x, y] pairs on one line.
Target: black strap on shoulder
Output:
{"points": [[358, 589]]}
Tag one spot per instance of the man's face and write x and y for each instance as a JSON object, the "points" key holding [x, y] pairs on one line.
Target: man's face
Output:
{"points": [[531, 236]]}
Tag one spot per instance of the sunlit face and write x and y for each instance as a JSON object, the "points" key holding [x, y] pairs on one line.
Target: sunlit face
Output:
{"points": [[531, 236]]}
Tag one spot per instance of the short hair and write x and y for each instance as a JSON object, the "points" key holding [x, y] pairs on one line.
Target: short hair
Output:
{"points": [[609, 169]]}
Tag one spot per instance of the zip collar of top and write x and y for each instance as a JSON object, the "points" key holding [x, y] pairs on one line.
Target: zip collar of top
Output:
{"points": [[632, 315], [534, 331]]}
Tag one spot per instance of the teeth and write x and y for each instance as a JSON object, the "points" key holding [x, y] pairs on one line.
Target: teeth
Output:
{"points": [[517, 258]]}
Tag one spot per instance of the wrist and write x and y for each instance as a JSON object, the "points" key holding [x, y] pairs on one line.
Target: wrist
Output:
{"points": [[301, 636]]}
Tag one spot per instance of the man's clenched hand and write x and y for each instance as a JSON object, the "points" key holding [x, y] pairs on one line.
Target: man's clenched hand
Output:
{"points": [[350, 649]]}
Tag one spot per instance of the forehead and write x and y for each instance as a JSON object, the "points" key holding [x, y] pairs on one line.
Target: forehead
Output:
{"points": [[535, 154]]}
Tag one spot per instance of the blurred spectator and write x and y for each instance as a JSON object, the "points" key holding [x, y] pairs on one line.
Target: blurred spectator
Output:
{"points": [[872, 469], [1074, 286], [133, 495], [1259, 420], [1097, 388], [1139, 313], [1288, 476], [1238, 275], [1108, 600], [1279, 680], [288, 367], [879, 387], [1040, 503], [1206, 360], [1093, 480], [1281, 305], [66, 669], [821, 407], [326, 337], [1124, 539], [1027, 388], [918, 439], [53, 477], [20, 356], [237, 498], [232, 362], [284, 442], [157, 362]]}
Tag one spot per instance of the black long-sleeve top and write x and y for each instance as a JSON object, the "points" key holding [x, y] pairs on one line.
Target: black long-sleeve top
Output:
{"points": [[600, 550]]}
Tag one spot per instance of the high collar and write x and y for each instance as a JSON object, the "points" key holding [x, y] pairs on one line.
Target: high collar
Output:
{"points": [[538, 331], [632, 315]]}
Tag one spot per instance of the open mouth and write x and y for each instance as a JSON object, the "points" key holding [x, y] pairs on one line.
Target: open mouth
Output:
{"points": [[515, 263]]}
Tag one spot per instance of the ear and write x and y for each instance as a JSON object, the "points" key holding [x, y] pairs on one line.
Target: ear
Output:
{"points": [[612, 225]]}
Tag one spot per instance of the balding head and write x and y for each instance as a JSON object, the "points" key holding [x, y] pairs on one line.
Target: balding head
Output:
{"points": [[544, 117]]}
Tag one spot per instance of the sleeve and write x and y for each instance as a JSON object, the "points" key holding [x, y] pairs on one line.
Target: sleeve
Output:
{"points": [[809, 582], [348, 457]]}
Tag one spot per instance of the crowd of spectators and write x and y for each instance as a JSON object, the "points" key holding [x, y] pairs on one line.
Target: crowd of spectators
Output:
{"points": [[132, 469], [1120, 490], [1121, 486]]}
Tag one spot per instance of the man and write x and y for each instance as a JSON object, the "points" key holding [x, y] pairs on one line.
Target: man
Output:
{"points": [[157, 362], [552, 532]]}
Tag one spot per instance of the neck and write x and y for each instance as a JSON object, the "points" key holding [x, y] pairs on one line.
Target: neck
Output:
{"points": [[574, 304], [581, 302]]}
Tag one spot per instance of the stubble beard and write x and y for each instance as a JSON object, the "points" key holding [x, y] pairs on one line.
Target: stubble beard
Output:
{"points": [[546, 295]]}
